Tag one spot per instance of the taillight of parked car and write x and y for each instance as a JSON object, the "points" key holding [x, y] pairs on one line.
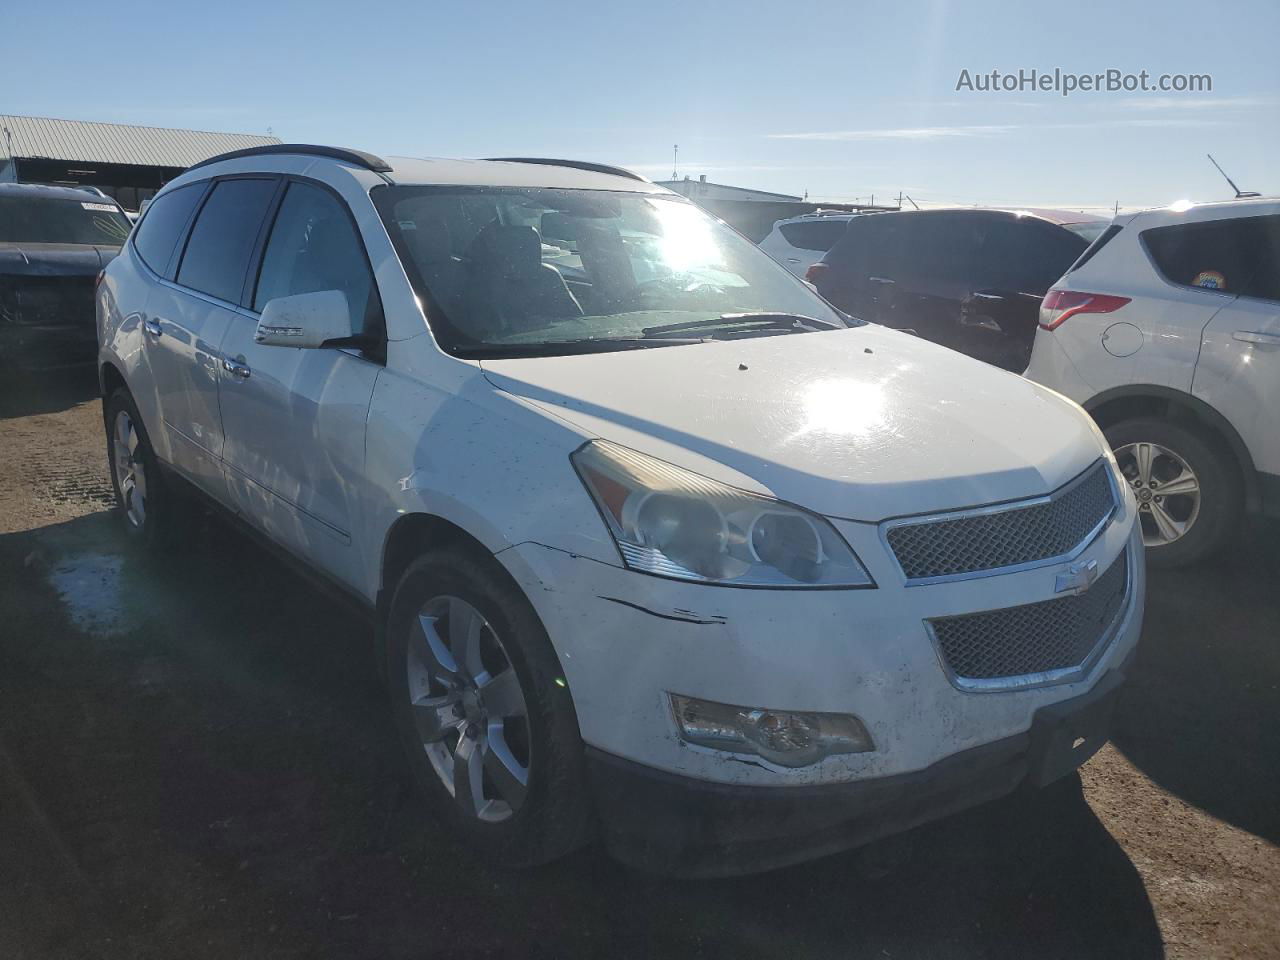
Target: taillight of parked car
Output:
{"points": [[815, 271], [1058, 305]]}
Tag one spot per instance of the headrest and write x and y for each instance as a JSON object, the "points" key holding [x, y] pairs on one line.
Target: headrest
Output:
{"points": [[512, 252]]}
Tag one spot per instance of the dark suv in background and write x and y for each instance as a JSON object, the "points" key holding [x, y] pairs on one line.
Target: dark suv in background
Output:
{"points": [[54, 241], [968, 279]]}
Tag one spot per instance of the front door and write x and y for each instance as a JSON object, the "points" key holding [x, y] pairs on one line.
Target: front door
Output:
{"points": [[295, 418]]}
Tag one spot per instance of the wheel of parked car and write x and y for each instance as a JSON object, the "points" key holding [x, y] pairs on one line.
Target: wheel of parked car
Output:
{"points": [[483, 710], [1188, 495], [141, 497]]}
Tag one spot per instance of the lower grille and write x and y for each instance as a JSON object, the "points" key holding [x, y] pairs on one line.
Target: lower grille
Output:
{"points": [[47, 300], [999, 647]]}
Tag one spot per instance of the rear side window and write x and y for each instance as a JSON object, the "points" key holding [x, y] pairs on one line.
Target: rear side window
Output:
{"points": [[1234, 256], [1026, 256], [870, 246], [160, 229], [314, 246], [819, 235], [222, 239], [1104, 238]]}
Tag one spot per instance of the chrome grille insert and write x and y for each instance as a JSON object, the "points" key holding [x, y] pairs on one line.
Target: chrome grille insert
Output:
{"points": [[1047, 642], [989, 539]]}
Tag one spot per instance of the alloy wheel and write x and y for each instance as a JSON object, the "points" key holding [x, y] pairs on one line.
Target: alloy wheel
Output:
{"points": [[468, 708], [130, 471], [1167, 489]]}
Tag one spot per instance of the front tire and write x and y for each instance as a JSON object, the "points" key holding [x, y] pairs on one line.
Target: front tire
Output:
{"points": [[142, 499], [1189, 494], [482, 709]]}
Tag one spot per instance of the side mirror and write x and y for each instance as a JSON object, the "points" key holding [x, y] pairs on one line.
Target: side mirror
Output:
{"points": [[308, 320]]}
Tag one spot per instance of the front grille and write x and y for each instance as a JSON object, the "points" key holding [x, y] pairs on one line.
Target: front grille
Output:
{"points": [[51, 300], [976, 541], [1052, 635]]}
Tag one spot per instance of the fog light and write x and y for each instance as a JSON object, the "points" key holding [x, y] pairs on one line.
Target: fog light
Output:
{"points": [[787, 738]]}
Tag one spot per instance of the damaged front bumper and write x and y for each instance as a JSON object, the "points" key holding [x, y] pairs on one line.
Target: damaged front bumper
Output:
{"points": [[670, 824]]}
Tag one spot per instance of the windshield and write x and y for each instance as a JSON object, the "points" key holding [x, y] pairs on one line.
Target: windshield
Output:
{"points": [[511, 271], [36, 219]]}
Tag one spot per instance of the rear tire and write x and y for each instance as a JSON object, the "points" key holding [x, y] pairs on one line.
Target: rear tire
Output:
{"points": [[150, 512], [1189, 492], [480, 704]]}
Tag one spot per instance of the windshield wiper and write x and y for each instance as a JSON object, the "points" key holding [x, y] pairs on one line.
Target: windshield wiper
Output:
{"points": [[554, 348], [764, 320]]}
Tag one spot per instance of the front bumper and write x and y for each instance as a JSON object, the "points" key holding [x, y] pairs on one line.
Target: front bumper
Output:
{"points": [[666, 823]]}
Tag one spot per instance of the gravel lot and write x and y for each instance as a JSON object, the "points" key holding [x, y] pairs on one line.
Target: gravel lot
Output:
{"points": [[195, 762]]}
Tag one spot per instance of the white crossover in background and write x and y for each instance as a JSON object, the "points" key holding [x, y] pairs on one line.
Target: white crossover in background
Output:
{"points": [[660, 547], [1167, 330]]}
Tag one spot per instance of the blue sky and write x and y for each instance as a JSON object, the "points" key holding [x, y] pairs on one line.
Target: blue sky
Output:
{"points": [[841, 99]]}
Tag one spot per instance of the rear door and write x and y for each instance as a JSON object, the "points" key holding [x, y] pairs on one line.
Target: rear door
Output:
{"points": [[187, 316], [1238, 373], [862, 266], [295, 418]]}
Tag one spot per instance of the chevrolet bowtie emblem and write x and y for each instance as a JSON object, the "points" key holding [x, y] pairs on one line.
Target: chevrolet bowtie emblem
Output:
{"points": [[1077, 578]]}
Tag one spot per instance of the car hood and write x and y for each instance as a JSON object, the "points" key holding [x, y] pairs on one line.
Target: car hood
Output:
{"points": [[862, 424], [54, 259]]}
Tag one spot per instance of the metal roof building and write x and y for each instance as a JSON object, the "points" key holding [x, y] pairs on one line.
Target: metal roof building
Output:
{"points": [[128, 162]]}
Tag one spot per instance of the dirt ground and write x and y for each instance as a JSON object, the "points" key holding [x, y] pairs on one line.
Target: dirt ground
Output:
{"points": [[195, 762]]}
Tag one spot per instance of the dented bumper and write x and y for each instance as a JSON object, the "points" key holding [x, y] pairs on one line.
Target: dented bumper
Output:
{"points": [[678, 825], [627, 641]]}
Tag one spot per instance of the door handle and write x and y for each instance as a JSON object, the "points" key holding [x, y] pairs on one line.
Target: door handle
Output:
{"points": [[1253, 336], [152, 326], [880, 280], [793, 259], [987, 296], [237, 369]]}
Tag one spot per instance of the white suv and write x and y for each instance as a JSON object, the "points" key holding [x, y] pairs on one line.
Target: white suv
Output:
{"points": [[1167, 330], [800, 242], [658, 545]]}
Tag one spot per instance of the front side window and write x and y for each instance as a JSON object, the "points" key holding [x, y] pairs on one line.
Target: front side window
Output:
{"points": [[314, 246], [42, 219], [1236, 256], [222, 239], [513, 271], [165, 220]]}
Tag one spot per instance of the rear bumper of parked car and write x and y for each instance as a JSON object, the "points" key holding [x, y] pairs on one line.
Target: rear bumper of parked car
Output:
{"points": [[671, 824]]}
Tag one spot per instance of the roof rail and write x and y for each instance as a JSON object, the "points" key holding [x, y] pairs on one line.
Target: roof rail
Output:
{"points": [[357, 157], [575, 164]]}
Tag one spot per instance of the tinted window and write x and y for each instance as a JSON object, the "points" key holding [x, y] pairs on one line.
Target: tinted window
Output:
{"points": [[160, 228], [1026, 256], [31, 218], [1235, 256], [941, 248], [869, 247], [222, 239], [314, 246], [818, 235]]}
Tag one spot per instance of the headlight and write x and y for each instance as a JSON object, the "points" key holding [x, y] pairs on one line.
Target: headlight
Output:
{"points": [[673, 523]]}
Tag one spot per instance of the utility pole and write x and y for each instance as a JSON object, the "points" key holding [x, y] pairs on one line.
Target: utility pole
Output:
{"points": [[675, 161], [1116, 213]]}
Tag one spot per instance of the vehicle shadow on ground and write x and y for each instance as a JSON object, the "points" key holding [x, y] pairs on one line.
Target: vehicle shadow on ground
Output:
{"points": [[208, 745], [1198, 715], [28, 392]]}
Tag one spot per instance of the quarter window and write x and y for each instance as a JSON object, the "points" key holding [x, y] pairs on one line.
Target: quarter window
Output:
{"points": [[222, 239], [314, 246], [166, 218], [1237, 256]]}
